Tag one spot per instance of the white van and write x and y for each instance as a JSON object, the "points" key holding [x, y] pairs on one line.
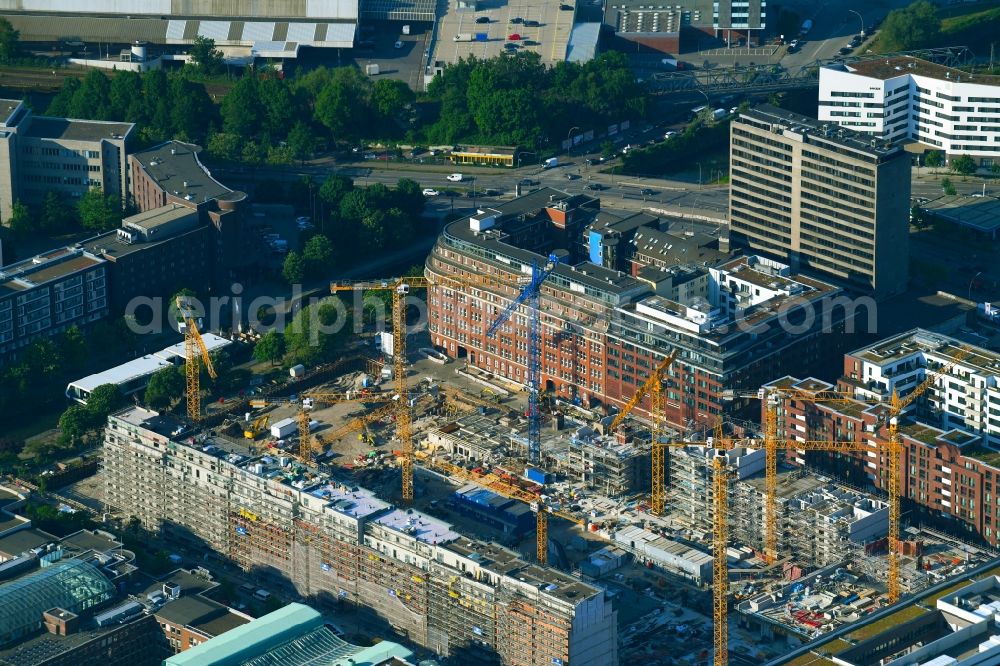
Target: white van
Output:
{"points": [[455, 177]]}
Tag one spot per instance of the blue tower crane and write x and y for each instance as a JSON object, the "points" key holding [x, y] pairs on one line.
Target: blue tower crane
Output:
{"points": [[530, 294]]}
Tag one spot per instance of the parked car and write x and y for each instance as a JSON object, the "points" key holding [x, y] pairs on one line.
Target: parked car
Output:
{"points": [[531, 24], [596, 187], [566, 8], [455, 177], [483, 19], [517, 19], [526, 182], [398, 44], [430, 192], [844, 50]]}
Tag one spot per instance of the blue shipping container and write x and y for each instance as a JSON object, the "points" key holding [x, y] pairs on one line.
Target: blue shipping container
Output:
{"points": [[482, 37], [536, 475]]}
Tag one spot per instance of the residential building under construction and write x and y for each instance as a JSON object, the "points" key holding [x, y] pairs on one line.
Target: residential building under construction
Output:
{"points": [[319, 538]]}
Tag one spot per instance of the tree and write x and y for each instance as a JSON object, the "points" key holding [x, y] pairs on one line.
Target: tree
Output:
{"points": [[294, 269], [224, 146], [912, 27], [206, 56], [270, 348], [125, 96], [342, 104], [73, 347], [240, 109], [389, 97], [98, 211], [408, 196], [74, 423], [9, 46], [93, 99], [317, 255], [948, 187], [995, 168], [306, 343], [934, 159], [963, 165], [21, 222], [103, 400], [165, 387], [301, 141], [334, 188], [191, 110], [57, 217], [59, 106], [277, 108]]}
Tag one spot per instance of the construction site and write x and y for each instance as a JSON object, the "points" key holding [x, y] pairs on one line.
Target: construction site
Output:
{"points": [[482, 517]]}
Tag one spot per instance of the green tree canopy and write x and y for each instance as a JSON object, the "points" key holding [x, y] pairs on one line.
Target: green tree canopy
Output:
{"points": [[294, 268], [98, 211], [206, 56], [21, 221], [306, 343], [913, 27], [301, 141], [165, 387], [270, 348], [948, 187], [317, 255], [389, 97], [103, 400], [963, 165], [342, 104], [9, 46], [241, 109], [934, 159], [92, 100]]}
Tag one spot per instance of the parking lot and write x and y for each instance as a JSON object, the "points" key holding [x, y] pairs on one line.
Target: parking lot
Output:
{"points": [[517, 17], [377, 46]]}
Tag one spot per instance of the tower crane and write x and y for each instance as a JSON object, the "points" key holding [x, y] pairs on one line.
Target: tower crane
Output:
{"points": [[194, 347], [653, 387], [530, 293], [895, 409], [400, 289]]}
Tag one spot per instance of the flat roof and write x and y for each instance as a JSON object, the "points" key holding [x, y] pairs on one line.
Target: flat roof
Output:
{"points": [[157, 217], [978, 212], [70, 129], [356, 503], [7, 108], [820, 132], [890, 68], [174, 163], [145, 365], [922, 341], [505, 151], [15, 543], [420, 526], [46, 267]]}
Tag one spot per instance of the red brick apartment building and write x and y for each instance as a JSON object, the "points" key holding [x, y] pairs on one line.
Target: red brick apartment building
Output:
{"points": [[950, 465], [603, 330]]}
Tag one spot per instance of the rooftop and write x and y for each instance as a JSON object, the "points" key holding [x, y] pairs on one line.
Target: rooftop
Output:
{"points": [[890, 68], [151, 220], [175, 167], [353, 502], [679, 247], [68, 129], [7, 109], [46, 267], [485, 150], [942, 348], [822, 132], [975, 211], [420, 526], [144, 365]]}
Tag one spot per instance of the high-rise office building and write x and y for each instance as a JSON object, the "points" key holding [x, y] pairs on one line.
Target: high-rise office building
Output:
{"points": [[821, 197]]}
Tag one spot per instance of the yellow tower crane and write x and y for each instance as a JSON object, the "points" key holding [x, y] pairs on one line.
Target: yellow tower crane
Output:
{"points": [[895, 455], [400, 288], [653, 387], [194, 347]]}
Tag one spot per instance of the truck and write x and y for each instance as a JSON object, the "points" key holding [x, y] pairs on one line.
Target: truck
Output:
{"points": [[672, 63], [551, 162], [696, 111], [806, 27], [719, 114], [406, 29], [463, 37], [283, 428]]}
